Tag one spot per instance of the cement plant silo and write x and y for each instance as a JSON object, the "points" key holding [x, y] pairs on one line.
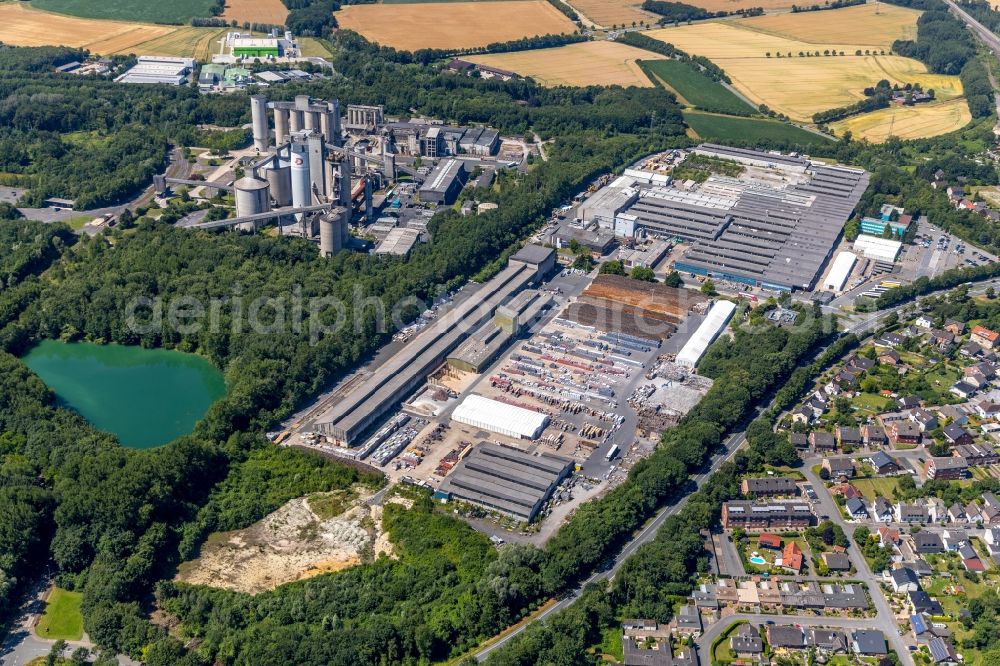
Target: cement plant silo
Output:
{"points": [[280, 125], [258, 117], [252, 197], [331, 236], [279, 177], [301, 185]]}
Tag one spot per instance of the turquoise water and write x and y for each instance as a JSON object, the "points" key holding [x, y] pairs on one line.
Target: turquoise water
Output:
{"points": [[147, 397], [758, 560]]}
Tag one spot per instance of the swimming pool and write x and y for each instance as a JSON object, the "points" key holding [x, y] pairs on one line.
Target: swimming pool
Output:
{"points": [[757, 559]]}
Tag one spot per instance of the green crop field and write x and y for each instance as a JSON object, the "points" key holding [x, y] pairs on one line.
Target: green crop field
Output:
{"points": [[694, 88], [724, 129], [62, 618], [174, 12]]}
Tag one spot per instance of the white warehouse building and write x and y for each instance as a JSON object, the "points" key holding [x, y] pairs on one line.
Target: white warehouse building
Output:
{"points": [[840, 271], [715, 322], [499, 417], [880, 249]]}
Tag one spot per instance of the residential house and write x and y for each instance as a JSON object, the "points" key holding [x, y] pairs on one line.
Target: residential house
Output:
{"points": [[786, 636], [883, 464], [928, 543], [954, 327], [991, 510], [971, 350], [836, 561], [942, 652], [828, 640], [925, 419], [911, 513], [956, 513], [924, 629], [904, 579], [873, 435], [921, 602], [848, 436], [889, 357], [803, 415], [973, 513], [992, 539], [769, 486], [764, 515], [924, 321], [856, 509], [987, 410], [950, 468], [799, 440], [655, 652], [943, 340], [977, 455], [953, 538], [882, 510], [937, 509], [688, 620], [905, 432], [822, 441], [888, 537], [791, 557], [963, 390], [746, 642], [952, 414], [839, 467], [772, 541], [984, 337], [956, 435], [908, 402], [890, 340], [868, 642], [859, 364], [847, 491]]}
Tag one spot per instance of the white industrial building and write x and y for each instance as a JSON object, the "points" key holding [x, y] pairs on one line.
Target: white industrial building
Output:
{"points": [[159, 69], [499, 417], [715, 322], [880, 249], [840, 271]]}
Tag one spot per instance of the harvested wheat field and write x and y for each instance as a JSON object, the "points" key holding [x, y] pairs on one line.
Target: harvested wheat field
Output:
{"points": [[453, 25], [20, 25], [907, 122], [795, 85], [859, 25], [734, 5], [256, 11], [197, 43], [614, 12], [582, 64]]}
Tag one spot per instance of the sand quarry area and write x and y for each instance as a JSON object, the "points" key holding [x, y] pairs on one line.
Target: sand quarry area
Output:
{"points": [[291, 544]]}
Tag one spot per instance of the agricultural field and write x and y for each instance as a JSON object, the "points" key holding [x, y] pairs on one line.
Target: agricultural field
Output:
{"points": [[197, 43], [614, 12], [582, 64], [21, 25], [859, 25], [694, 88], [712, 127], [62, 618], [313, 48], [907, 122], [453, 25], [256, 11], [734, 5], [175, 11], [799, 86]]}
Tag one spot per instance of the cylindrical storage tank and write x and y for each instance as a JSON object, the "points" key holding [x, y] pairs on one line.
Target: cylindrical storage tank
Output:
{"points": [[300, 174], [258, 117], [280, 180], [252, 198], [324, 126], [294, 120], [309, 121], [280, 126], [330, 239]]}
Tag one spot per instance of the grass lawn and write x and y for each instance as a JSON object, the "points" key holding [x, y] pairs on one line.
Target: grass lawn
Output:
{"points": [[872, 488], [713, 127], [177, 12], [313, 48], [696, 88], [722, 653], [611, 643], [62, 618], [77, 222], [872, 402]]}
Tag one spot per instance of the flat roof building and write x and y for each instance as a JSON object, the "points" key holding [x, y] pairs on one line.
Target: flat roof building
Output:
{"points": [[840, 271], [398, 242], [444, 183], [500, 417], [707, 332], [505, 479], [765, 515], [159, 69], [874, 247]]}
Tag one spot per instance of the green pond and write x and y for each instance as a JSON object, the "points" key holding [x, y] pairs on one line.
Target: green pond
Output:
{"points": [[147, 397]]}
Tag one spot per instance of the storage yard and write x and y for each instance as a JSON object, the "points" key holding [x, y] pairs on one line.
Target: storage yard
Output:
{"points": [[601, 63], [453, 25], [531, 410]]}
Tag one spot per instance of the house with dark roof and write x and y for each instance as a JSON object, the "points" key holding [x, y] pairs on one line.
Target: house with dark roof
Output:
{"points": [[921, 602], [785, 636], [890, 340], [928, 543], [856, 509], [828, 640], [848, 436], [868, 642], [954, 327], [942, 652], [883, 464], [746, 642], [822, 441], [924, 418], [908, 402], [953, 538], [874, 435], [769, 486], [963, 389], [836, 561], [956, 513], [911, 513], [839, 467], [904, 579], [956, 434], [947, 467], [799, 440], [905, 432], [987, 410]]}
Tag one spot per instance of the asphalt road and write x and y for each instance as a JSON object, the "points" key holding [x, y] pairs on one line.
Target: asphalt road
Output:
{"points": [[991, 41]]}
